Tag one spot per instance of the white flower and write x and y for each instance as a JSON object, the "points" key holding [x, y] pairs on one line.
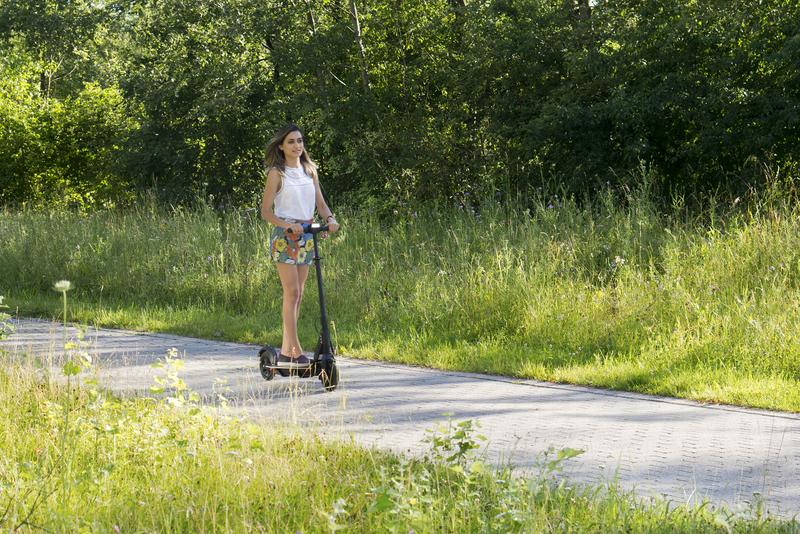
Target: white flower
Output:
{"points": [[63, 286]]}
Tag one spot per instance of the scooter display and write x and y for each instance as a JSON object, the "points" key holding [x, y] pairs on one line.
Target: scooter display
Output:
{"points": [[323, 364]]}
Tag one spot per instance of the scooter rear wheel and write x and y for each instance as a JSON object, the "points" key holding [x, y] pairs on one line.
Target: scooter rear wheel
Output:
{"points": [[266, 358]]}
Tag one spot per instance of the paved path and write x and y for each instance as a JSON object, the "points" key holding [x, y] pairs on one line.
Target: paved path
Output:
{"points": [[658, 446]]}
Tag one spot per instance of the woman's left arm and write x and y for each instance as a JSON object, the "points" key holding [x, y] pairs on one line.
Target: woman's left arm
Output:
{"points": [[323, 209]]}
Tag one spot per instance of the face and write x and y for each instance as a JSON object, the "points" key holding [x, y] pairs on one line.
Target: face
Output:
{"points": [[292, 144]]}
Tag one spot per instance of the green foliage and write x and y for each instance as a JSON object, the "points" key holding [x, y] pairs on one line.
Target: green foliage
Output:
{"points": [[201, 74], [446, 99], [455, 443], [59, 152], [682, 86], [612, 293], [157, 465]]}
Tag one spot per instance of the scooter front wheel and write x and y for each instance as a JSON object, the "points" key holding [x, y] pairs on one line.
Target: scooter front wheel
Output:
{"points": [[329, 376]]}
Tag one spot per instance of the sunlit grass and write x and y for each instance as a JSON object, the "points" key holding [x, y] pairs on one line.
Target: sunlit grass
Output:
{"points": [[615, 295], [78, 459]]}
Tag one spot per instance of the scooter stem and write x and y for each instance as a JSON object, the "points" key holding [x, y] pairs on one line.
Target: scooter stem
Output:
{"points": [[323, 312]]}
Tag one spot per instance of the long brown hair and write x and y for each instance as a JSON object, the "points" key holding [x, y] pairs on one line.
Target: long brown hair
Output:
{"points": [[273, 155]]}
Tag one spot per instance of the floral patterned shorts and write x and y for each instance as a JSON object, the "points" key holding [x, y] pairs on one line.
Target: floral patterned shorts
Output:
{"points": [[294, 250]]}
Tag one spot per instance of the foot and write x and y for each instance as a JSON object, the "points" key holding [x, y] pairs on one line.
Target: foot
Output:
{"points": [[288, 361]]}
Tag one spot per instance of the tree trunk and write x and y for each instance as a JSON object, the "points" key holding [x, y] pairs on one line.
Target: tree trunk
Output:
{"points": [[580, 9], [360, 43], [276, 73], [320, 72]]}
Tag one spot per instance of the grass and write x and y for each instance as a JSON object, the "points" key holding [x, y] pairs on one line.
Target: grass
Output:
{"points": [[616, 294], [76, 459]]}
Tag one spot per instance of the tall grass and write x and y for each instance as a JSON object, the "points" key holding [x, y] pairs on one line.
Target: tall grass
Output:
{"points": [[80, 460], [614, 293]]}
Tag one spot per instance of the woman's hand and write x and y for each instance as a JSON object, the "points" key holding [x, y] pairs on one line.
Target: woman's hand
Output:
{"points": [[333, 226], [295, 231]]}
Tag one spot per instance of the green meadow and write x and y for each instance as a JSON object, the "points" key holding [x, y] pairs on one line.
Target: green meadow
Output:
{"points": [[614, 293]]}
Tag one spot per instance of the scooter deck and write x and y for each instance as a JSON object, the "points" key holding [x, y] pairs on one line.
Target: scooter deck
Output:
{"points": [[322, 366], [294, 367], [290, 367]]}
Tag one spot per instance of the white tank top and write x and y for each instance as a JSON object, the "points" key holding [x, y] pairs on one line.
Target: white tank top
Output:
{"points": [[297, 196]]}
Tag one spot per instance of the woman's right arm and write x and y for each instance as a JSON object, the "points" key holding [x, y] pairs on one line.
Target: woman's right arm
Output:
{"points": [[268, 199]]}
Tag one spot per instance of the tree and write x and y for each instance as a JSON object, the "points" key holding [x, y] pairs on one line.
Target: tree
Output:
{"points": [[55, 33]]}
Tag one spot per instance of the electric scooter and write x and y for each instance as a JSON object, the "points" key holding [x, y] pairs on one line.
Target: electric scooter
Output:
{"points": [[323, 365]]}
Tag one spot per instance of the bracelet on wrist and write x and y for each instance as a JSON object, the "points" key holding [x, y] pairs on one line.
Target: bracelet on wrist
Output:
{"points": [[329, 217]]}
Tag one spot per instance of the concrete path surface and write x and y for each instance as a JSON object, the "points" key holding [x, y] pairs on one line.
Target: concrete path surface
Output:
{"points": [[677, 449]]}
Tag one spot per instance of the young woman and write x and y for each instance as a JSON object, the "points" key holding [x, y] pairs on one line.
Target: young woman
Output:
{"points": [[291, 193]]}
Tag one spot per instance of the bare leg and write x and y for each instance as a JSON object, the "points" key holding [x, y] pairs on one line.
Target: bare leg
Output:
{"points": [[302, 275], [293, 279]]}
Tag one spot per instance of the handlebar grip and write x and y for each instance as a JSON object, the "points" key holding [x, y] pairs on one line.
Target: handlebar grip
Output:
{"points": [[310, 228]]}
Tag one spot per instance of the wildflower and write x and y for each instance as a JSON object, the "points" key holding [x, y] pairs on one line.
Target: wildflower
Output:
{"points": [[63, 286]]}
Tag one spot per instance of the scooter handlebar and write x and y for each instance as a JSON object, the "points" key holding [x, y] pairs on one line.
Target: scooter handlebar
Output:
{"points": [[311, 228]]}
